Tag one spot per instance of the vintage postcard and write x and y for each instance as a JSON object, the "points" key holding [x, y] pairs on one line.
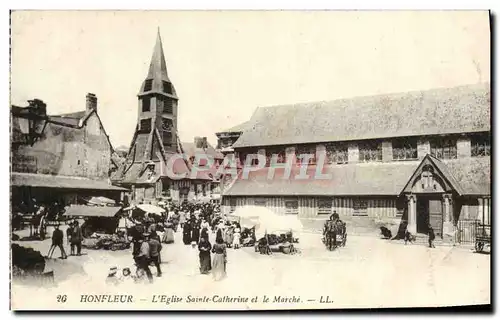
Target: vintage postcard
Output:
{"points": [[250, 160]]}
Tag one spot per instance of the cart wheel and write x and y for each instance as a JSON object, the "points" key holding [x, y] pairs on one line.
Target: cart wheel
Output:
{"points": [[479, 246]]}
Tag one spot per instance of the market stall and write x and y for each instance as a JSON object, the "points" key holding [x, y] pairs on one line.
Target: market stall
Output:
{"points": [[273, 232], [100, 226]]}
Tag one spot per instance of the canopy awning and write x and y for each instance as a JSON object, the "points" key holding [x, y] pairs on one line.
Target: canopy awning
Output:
{"points": [[62, 182], [101, 201], [90, 211], [149, 208]]}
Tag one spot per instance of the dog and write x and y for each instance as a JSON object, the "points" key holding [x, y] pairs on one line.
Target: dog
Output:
{"points": [[409, 237], [386, 233]]}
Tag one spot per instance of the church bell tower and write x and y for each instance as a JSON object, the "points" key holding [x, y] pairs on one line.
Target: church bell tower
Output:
{"points": [[158, 102]]}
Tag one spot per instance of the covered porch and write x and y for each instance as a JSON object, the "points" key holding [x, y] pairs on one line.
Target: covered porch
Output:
{"points": [[435, 197]]}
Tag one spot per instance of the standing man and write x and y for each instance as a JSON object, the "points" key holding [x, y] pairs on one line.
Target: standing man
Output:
{"points": [[143, 258], [154, 253], [76, 238], [57, 241], [432, 236], [69, 234]]}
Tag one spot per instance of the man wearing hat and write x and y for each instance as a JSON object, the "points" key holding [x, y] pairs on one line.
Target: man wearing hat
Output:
{"points": [[143, 257], [57, 241]]}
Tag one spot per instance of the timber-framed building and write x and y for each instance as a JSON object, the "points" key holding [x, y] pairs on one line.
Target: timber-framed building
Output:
{"points": [[421, 156]]}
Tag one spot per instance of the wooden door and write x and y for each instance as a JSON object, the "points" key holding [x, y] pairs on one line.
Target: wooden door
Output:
{"points": [[436, 216]]}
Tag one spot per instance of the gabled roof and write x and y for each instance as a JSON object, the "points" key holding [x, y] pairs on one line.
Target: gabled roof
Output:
{"points": [[467, 176], [431, 112], [443, 172]]}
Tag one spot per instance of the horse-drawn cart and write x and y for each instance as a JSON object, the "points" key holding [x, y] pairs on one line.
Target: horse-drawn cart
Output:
{"points": [[483, 236], [334, 234]]}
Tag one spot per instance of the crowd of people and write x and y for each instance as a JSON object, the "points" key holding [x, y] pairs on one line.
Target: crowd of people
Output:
{"points": [[196, 222]]}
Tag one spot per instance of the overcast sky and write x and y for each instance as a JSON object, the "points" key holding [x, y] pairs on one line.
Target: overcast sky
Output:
{"points": [[225, 64]]}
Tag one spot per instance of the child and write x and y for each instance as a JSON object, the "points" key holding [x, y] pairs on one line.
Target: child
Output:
{"points": [[432, 236], [236, 238], [127, 276], [112, 279]]}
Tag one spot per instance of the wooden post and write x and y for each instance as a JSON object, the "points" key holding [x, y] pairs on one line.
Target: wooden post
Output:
{"points": [[412, 216]]}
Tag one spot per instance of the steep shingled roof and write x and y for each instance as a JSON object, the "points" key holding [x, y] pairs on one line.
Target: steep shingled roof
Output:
{"points": [[362, 179], [438, 111]]}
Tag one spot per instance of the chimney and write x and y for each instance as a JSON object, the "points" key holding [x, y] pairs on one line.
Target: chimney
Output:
{"points": [[91, 102], [198, 142], [205, 143]]}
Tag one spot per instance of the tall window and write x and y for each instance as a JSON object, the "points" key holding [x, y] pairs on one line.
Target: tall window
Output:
{"points": [[404, 149], [427, 177], [280, 152], [324, 206], [146, 104], [243, 156], [444, 148], [146, 125], [480, 145], [291, 206], [260, 202], [370, 151], [167, 87], [166, 124], [166, 105], [360, 207], [232, 204], [148, 85], [337, 153], [306, 149]]}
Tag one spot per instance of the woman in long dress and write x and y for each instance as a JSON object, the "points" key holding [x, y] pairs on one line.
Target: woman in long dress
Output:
{"points": [[186, 234], [204, 228], [182, 219], [219, 260], [204, 247], [195, 235], [168, 235]]}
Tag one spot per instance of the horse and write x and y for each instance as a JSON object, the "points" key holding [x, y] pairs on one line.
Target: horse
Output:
{"points": [[335, 234], [330, 232]]}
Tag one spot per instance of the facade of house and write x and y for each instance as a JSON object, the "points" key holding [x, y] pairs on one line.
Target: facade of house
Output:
{"points": [[208, 188], [153, 169], [53, 156], [420, 156], [226, 138]]}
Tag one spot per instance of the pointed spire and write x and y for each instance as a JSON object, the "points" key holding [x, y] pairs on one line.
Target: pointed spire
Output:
{"points": [[157, 74], [158, 67]]}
